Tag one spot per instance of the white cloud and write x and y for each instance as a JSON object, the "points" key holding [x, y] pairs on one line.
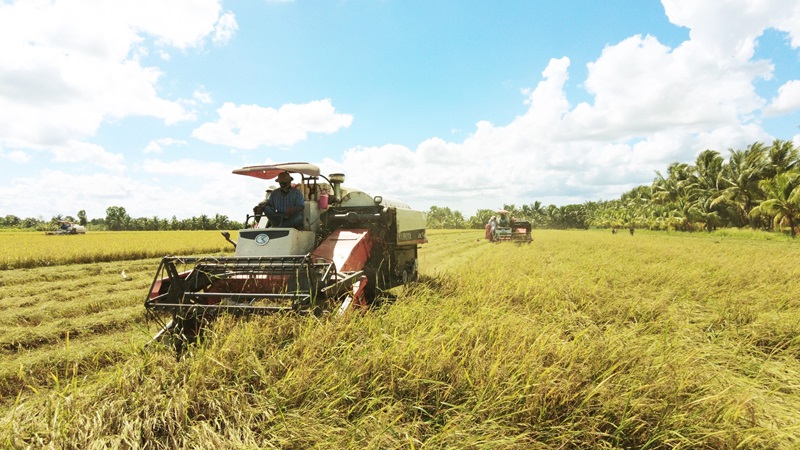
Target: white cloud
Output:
{"points": [[82, 152], [185, 168], [157, 146], [252, 126], [787, 100], [197, 187], [176, 23], [641, 86], [225, 28], [72, 152], [730, 28], [183, 188], [15, 156], [53, 192], [202, 96], [69, 65]]}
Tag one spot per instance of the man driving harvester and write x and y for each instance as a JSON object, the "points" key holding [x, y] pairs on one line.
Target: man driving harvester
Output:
{"points": [[285, 205]]}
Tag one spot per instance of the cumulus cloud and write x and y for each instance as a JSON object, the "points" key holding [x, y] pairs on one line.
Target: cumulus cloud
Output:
{"points": [[787, 100], [198, 187], [641, 86], [83, 152], [225, 28], [157, 146], [201, 96], [70, 65], [195, 187], [178, 23], [729, 29], [15, 156], [252, 126], [33, 196]]}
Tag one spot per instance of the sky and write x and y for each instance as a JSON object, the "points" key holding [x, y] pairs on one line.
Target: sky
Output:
{"points": [[467, 104]]}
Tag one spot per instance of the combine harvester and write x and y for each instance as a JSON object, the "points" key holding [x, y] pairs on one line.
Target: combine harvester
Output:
{"points": [[509, 229], [351, 248], [67, 227]]}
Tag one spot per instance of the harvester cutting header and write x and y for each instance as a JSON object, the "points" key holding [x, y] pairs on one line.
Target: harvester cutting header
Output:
{"points": [[311, 247]]}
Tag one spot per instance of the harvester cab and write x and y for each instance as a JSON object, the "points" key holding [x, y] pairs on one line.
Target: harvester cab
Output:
{"points": [[350, 248], [510, 229]]}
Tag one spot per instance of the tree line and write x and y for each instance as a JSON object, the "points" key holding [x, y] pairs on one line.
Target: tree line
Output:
{"points": [[539, 215], [118, 219], [756, 187]]}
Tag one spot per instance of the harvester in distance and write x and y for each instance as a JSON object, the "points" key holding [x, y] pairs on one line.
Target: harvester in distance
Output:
{"points": [[350, 248], [67, 227], [509, 229]]}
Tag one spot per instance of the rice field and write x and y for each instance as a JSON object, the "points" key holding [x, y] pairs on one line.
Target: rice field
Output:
{"points": [[582, 339], [24, 249]]}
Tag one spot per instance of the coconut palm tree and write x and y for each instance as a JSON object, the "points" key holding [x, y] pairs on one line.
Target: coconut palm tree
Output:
{"points": [[783, 157], [783, 200], [745, 168], [674, 186]]}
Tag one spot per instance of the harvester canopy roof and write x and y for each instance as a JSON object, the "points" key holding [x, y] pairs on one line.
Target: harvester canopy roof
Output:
{"points": [[269, 172]]}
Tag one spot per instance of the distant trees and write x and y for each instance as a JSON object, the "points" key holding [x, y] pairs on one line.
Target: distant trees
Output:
{"points": [[445, 218], [756, 187], [559, 217], [10, 221], [82, 217], [118, 219]]}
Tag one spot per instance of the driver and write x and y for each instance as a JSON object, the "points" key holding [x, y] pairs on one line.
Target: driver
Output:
{"points": [[285, 205]]}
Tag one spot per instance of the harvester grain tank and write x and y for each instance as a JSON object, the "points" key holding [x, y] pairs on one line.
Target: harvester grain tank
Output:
{"points": [[342, 256]]}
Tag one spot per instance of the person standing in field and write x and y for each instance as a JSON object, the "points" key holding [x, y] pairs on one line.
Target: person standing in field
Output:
{"points": [[490, 226]]}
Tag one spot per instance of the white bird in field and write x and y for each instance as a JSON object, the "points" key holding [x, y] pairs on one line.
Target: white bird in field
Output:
{"points": [[125, 276]]}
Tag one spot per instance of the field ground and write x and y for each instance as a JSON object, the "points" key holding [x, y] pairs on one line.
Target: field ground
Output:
{"points": [[582, 339]]}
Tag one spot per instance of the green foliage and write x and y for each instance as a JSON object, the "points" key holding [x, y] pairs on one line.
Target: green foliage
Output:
{"points": [[753, 188], [117, 218], [445, 218], [82, 218], [480, 219], [783, 200]]}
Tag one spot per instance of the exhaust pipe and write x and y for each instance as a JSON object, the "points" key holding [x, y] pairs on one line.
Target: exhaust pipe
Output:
{"points": [[336, 180]]}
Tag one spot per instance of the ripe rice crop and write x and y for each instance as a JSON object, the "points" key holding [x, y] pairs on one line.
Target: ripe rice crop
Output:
{"points": [[581, 339], [25, 249]]}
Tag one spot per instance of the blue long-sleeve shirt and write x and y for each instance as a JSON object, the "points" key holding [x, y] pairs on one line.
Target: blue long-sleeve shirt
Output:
{"points": [[282, 201]]}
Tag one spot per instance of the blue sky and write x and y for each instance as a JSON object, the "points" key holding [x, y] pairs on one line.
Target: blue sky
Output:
{"points": [[465, 104]]}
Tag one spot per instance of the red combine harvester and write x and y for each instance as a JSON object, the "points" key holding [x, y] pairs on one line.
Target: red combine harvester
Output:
{"points": [[347, 252], [511, 230]]}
